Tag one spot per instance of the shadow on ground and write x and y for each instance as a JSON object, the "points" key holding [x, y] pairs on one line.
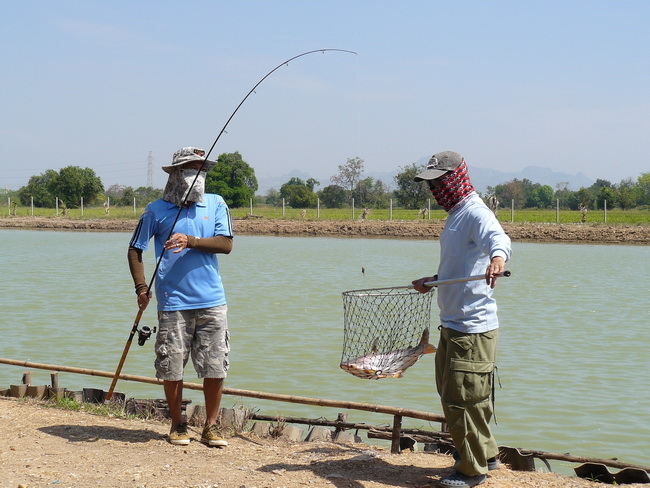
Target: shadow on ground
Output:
{"points": [[354, 472], [84, 433]]}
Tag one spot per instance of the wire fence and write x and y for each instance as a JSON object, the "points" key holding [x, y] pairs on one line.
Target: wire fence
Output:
{"points": [[13, 208]]}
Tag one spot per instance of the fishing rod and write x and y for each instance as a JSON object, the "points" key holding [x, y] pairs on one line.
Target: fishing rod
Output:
{"points": [[145, 332]]}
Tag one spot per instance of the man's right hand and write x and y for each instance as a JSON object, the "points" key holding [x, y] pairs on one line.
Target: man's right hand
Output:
{"points": [[143, 300], [419, 284]]}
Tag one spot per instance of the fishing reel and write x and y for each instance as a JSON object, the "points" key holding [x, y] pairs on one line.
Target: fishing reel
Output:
{"points": [[144, 333]]}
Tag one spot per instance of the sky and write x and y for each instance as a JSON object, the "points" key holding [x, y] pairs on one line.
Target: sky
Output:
{"points": [[563, 85]]}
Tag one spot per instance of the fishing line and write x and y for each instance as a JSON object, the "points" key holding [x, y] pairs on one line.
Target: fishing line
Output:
{"points": [[223, 130], [136, 323]]}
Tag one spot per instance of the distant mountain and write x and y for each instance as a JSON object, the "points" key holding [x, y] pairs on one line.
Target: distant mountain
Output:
{"points": [[482, 178]]}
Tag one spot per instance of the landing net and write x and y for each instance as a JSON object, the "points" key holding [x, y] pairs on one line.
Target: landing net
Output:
{"points": [[386, 330]]}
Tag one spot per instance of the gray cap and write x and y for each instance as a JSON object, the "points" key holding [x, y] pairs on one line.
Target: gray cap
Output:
{"points": [[439, 164], [188, 155]]}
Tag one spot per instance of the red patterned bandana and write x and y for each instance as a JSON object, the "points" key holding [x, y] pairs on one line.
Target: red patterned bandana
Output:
{"points": [[453, 188]]}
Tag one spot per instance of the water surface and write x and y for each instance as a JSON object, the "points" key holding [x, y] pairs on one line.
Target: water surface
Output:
{"points": [[573, 361]]}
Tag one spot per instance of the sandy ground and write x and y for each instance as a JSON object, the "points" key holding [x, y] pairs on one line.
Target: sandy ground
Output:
{"points": [[579, 233], [44, 447]]}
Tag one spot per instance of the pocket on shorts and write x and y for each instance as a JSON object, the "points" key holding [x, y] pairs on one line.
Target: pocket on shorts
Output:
{"points": [[162, 361], [472, 380]]}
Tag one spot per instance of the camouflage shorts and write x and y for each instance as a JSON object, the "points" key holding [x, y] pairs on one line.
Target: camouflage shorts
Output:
{"points": [[201, 332]]}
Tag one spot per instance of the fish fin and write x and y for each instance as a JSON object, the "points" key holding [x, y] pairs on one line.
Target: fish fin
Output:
{"points": [[397, 375], [429, 349], [425, 336], [424, 341]]}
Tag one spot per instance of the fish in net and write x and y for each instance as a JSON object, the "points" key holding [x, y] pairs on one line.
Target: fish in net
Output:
{"points": [[386, 330]]}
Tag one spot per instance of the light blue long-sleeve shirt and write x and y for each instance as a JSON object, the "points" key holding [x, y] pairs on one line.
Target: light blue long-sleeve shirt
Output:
{"points": [[472, 236]]}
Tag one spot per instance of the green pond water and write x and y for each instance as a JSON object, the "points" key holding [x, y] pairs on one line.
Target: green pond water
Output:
{"points": [[573, 359]]}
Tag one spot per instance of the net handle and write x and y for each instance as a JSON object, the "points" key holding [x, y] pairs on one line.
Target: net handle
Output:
{"points": [[431, 284]]}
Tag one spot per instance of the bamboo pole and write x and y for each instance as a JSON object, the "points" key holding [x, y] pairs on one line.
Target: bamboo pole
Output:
{"points": [[321, 402], [613, 463], [430, 437], [401, 412]]}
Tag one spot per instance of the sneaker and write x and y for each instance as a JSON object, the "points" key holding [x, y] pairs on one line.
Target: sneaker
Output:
{"points": [[212, 437], [459, 480], [178, 435]]}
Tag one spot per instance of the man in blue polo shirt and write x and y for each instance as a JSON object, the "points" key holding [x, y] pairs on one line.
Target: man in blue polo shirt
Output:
{"points": [[189, 228]]}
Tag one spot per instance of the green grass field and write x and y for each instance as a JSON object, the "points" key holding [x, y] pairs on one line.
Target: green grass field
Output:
{"points": [[614, 217]]}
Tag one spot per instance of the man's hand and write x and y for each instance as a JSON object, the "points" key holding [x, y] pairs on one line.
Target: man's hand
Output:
{"points": [[143, 300], [177, 241], [419, 284], [494, 269]]}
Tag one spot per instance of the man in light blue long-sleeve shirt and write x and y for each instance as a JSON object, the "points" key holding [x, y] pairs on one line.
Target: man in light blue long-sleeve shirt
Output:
{"points": [[472, 242]]}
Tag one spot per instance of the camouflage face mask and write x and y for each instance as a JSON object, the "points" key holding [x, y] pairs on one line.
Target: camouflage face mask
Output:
{"points": [[179, 183]]}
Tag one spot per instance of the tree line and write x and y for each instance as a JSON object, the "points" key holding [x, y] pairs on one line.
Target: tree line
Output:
{"points": [[235, 180], [349, 184]]}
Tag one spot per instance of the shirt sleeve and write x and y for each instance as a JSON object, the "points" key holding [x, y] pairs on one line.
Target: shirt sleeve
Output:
{"points": [[143, 231], [490, 236], [222, 219]]}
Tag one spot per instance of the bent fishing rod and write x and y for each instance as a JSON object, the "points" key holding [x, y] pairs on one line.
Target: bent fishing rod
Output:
{"points": [[145, 332]]}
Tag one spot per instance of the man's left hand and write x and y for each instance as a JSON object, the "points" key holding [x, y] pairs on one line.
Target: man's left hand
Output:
{"points": [[494, 269], [177, 242]]}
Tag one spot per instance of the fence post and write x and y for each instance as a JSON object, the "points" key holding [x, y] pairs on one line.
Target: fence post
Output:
{"points": [[283, 207], [557, 211], [32, 205], [390, 217], [82, 206], [605, 211], [318, 208], [251, 205], [134, 206], [429, 209], [8, 205], [512, 211], [57, 206], [352, 208], [396, 434]]}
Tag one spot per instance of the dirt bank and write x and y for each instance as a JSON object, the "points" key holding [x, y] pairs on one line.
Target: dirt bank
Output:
{"points": [[50, 447], [575, 233]]}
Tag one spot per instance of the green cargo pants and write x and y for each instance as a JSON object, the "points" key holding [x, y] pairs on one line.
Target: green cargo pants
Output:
{"points": [[464, 378]]}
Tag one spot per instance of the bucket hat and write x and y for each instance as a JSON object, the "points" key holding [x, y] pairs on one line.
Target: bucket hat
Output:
{"points": [[188, 155]]}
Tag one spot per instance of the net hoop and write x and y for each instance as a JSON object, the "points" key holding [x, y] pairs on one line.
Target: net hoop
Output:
{"points": [[386, 330]]}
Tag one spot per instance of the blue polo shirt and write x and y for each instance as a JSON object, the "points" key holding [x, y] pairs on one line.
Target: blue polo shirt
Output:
{"points": [[189, 279]]}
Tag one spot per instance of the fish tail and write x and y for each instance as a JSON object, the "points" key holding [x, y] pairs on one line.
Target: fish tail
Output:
{"points": [[424, 341], [429, 349], [425, 336]]}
